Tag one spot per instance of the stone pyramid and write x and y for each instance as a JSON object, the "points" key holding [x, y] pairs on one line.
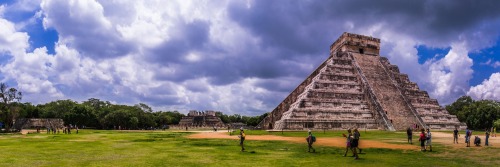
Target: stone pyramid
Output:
{"points": [[356, 87]]}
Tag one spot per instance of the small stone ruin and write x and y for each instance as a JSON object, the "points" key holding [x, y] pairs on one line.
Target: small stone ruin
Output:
{"points": [[201, 119], [25, 123]]}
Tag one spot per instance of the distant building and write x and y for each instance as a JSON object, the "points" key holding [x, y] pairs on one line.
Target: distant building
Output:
{"points": [[201, 119], [24, 123]]}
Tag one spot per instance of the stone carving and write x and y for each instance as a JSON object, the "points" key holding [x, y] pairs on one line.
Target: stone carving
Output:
{"points": [[356, 87]]}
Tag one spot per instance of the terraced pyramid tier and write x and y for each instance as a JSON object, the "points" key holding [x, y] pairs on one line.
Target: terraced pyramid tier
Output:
{"points": [[355, 87]]}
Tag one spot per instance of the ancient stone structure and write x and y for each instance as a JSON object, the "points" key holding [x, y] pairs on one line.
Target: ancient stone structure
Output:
{"points": [[23, 123], [201, 119], [356, 87]]}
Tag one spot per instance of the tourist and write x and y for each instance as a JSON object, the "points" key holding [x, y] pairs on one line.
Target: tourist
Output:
{"points": [[477, 141], [76, 129], [487, 136], [468, 134], [357, 145], [355, 142], [310, 140], [348, 141], [242, 139], [422, 140], [410, 135], [186, 128], [429, 139], [455, 136]]}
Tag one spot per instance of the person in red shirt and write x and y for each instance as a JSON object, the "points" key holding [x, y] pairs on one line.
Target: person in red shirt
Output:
{"points": [[422, 140]]}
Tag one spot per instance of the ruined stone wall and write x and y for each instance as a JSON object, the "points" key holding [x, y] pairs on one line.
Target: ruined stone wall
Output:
{"points": [[201, 119], [24, 123]]}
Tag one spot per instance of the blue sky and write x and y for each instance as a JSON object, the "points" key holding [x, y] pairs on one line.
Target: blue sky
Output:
{"points": [[236, 56]]}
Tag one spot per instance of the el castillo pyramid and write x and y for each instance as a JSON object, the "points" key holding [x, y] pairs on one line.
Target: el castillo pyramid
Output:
{"points": [[357, 88]]}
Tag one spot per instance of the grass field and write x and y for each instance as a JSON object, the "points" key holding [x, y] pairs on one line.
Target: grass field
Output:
{"points": [[170, 148]]}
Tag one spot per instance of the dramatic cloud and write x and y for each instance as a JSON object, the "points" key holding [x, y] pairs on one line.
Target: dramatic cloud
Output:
{"points": [[489, 89], [11, 41], [234, 56]]}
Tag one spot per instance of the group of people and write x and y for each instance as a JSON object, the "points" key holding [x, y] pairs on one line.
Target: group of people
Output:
{"points": [[54, 130], [425, 138], [352, 142], [477, 139], [352, 139]]}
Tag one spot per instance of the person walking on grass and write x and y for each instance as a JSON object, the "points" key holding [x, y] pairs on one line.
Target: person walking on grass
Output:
{"points": [[410, 135], [487, 134], [242, 139], [455, 136], [310, 140], [422, 140], [355, 142], [429, 139], [348, 141]]}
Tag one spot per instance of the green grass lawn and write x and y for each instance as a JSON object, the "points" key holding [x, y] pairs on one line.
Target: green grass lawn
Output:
{"points": [[168, 148]]}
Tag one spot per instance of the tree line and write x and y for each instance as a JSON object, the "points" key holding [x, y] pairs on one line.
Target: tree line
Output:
{"points": [[479, 115], [95, 113]]}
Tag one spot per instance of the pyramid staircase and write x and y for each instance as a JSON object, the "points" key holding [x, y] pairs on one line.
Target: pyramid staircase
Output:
{"points": [[355, 87]]}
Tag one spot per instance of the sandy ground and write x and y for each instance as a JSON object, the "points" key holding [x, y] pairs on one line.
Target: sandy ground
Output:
{"points": [[439, 137], [447, 139], [324, 141]]}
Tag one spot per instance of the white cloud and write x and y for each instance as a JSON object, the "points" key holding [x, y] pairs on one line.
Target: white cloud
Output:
{"points": [[496, 64], [12, 41], [120, 51], [450, 75], [489, 89]]}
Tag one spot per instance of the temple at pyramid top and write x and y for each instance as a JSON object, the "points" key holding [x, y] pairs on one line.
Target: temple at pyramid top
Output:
{"points": [[357, 88]]}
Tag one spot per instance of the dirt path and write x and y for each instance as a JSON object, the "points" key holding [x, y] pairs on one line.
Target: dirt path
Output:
{"points": [[324, 141], [437, 137], [447, 139]]}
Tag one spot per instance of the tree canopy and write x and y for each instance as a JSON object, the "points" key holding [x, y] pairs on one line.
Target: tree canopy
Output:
{"points": [[476, 114]]}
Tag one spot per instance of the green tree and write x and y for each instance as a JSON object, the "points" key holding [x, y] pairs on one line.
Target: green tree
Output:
{"points": [[57, 109], [8, 97], [133, 122], [81, 115], [457, 107]]}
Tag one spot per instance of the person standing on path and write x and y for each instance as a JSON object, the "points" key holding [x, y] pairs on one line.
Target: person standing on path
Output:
{"points": [[348, 141], [242, 138], [487, 134], [468, 133], [429, 139], [310, 140], [455, 136], [410, 135], [422, 140]]}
